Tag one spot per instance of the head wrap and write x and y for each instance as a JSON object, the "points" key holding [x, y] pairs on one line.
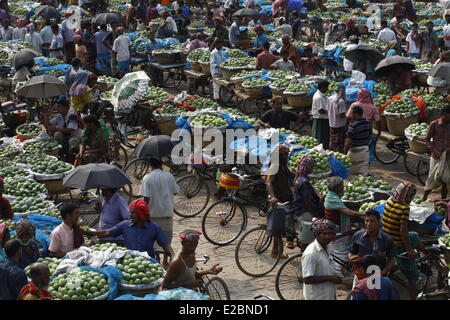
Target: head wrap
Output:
{"points": [[349, 22], [190, 235], [141, 209], [164, 13], [25, 228], [304, 165], [320, 225], [68, 13], [21, 22], [120, 28], [334, 182], [219, 19], [258, 28], [404, 192], [364, 96], [340, 89]]}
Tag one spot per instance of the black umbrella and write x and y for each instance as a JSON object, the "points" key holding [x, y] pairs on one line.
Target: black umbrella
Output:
{"points": [[108, 18], [96, 175], [24, 57], [48, 12], [441, 70], [387, 64], [246, 12], [363, 51], [155, 147], [45, 86]]}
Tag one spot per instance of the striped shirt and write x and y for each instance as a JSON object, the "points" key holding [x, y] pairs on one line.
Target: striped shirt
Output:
{"points": [[394, 214], [360, 131]]}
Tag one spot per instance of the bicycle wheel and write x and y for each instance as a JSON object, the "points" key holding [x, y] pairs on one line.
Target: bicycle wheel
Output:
{"points": [[383, 153], [217, 289], [136, 170], [224, 221], [253, 253], [422, 171], [128, 191], [192, 198], [172, 79], [410, 164], [289, 279]]}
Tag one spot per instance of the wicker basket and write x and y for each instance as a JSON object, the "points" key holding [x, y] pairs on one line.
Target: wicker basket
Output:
{"points": [[254, 92], [229, 181], [164, 58], [206, 68], [396, 126], [299, 100], [228, 74], [196, 66], [166, 126], [383, 123], [54, 186], [417, 146]]}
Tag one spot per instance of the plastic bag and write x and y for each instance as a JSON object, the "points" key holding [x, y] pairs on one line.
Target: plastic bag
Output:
{"points": [[338, 168], [114, 276], [420, 213], [181, 294], [357, 79], [276, 223], [440, 174]]}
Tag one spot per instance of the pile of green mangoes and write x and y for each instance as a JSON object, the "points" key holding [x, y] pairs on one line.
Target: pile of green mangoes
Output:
{"points": [[52, 264], [382, 89], [281, 74], [23, 187], [418, 129], [51, 167], [13, 172], [30, 204], [106, 79], [139, 270], [52, 61], [9, 224], [331, 88], [352, 193], [321, 164], [237, 62], [107, 95], [105, 246], [421, 65], [434, 101], [408, 92], [401, 106], [51, 213], [343, 158], [29, 129], [206, 58], [197, 24], [7, 151], [307, 142], [209, 121], [381, 99], [320, 185], [370, 205], [41, 146], [371, 182], [285, 131], [417, 200], [446, 239], [203, 103], [168, 109], [281, 83], [79, 284], [297, 87], [32, 159], [255, 82], [246, 73], [236, 53], [4, 162], [155, 96], [249, 119], [196, 54]]}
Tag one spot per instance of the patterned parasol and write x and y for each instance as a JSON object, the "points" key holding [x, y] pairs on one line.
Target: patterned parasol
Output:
{"points": [[129, 90]]}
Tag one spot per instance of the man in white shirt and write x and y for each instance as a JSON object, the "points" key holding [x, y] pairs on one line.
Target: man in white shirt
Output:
{"points": [[386, 34], [284, 28], [47, 37], [413, 40], [319, 275], [6, 31], [170, 23], [217, 57], [57, 44], [336, 116], [321, 127], [122, 47], [33, 37], [158, 189]]}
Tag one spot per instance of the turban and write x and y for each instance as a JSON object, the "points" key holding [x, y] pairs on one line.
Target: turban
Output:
{"points": [[25, 228], [190, 235], [404, 193], [141, 209], [258, 28], [305, 164], [21, 22], [322, 224]]}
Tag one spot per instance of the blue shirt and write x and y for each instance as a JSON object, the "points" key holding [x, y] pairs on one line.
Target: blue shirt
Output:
{"points": [[114, 211], [304, 190], [295, 26], [12, 280], [386, 292], [383, 248], [260, 40], [140, 239], [234, 33], [186, 11], [153, 46], [25, 259], [98, 40]]}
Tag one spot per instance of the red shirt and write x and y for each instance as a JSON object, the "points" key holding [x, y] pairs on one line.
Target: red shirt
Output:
{"points": [[5, 209], [265, 59], [440, 133]]}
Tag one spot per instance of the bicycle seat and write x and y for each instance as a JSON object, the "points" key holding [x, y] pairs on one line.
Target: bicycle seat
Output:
{"points": [[434, 250]]}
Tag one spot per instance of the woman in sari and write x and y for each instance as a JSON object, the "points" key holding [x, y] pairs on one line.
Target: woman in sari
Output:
{"points": [[79, 91]]}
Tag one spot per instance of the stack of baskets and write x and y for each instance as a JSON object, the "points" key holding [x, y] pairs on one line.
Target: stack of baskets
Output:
{"points": [[397, 123]]}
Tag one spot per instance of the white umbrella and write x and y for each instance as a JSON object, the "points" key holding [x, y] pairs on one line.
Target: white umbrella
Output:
{"points": [[129, 90]]}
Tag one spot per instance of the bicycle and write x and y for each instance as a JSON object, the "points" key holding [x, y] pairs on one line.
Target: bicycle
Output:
{"points": [[227, 218], [215, 287], [389, 151], [422, 171]]}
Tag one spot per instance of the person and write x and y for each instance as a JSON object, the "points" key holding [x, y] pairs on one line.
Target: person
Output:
{"points": [[446, 30], [296, 24], [182, 271], [353, 42], [79, 94], [356, 146], [310, 64], [113, 210], [284, 63], [57, 44], [321, 126], [395, 224], [413, 40], [182, 24], [67, 31], [319, 275], [279, 191], [220, 31], [68, 235], [261, 38], [429, 43], [5, 207], [234, 32], [338, 213], [278, 118], [91, 47], [365, 102], [141, 11], [372, 241], [284, 28], [438, 142], [139, 232], [350, 28], [265, 59], [81, 52], [122, 47], [289, 47], [103, 49], [4, 236], [364, 291], [392, 49], [158, 189], [254, 22], [336, 116], [47, 37], [25, 233], [398, 27], [93, 142], [216, 59], [12, 277], [185, 9], [169, 27], [153, 44], [152, 12], [37, 288], [130, 16], [6, 30], [20, 31], [65, 128], [386, 34], [71, 73], [197, 43], [399, 79]]}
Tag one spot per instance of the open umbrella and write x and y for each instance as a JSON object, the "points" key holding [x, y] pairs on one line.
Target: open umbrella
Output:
{"points": [[363, 51], [108, 18], [155, 147], [246, 12], [44, 86], [387, 64], [129, 90], [441, 70], [48, 12], [24, 57], [96, 175]]}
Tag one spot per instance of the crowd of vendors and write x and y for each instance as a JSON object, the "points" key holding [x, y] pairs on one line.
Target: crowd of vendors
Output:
{"points": [[349, 71]]}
